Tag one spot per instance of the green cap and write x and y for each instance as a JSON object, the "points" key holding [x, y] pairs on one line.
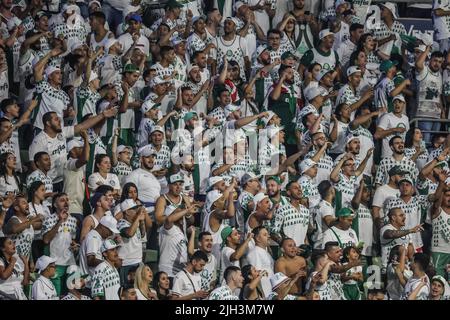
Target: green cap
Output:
{"points": [[441, 164], [130, 68], [188, 116], [345, 212], [173, 4], [396, 170], [226, 232], [406, 179], [274, 178], [287, 55], [386, 65]]}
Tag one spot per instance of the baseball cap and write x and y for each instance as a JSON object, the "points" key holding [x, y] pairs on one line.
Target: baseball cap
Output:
{"points": [[148, 105], [108, 244], [399, 97], [188, 116], [324, 33], [192, 67], [396, 170], [130, 68], [288, 55], [230, 108], [345, 212], [128, 204], [177, 40], [147, 151], [406, 178], [391, 7], [278, 279], [43, 262], [136, 17], [312, 93], [386, 65], [157, 80], [225, 233], [306, 165], [213, 180], [352, 70], [273, 130], [259, 197], [109, 43], [76, 45], [122, 148], [351, 137], [235, 20], [322, 74], [197, 18], [157, 128], [75, 270], [41, 14], [109, 222], [441, 164], [94, 2], [265, 120], [275, 178], [212, 197], [176, 178], [260, 50], [50, 69], [247, 177], [75, 143]]}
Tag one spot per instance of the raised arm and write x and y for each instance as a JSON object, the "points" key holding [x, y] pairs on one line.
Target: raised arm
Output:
{"points": [[240, 251], [89, 123], [334, 175], [362, 119], [420, 61], [40, 66], [357, 198], [363, 164]]}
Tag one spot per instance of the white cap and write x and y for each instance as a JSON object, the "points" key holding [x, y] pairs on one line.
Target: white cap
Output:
{"points": [[108, 244], [50, 69], [322, 73], [352, 70], [234, 19], [128, 204], [192, 67], [148, 105], [306, 165], [212, 197], [147, 151], [95, 2], [399, 97], [324, 33], [71, 8], [109, 43], [312, 93], [230, 108], [260, 50], [266, 120], [213, 180], [43, 262], [277, 279], [350, 138], [93, 76], [273, 130], [196, 18], [392, 8], [13, 22], [122, 148], [157, 128], [110, 223], [157, 80], [76, 45], [176, 178], [75, 143], [177, 40], [237, 5], [339, 2], [259, 197]]}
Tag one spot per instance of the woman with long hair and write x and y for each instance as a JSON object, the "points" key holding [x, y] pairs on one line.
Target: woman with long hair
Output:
{"points": [[14, 271], [102, 175], [142, 283], [415, 148], [130, 191], [36, 197], [338, 129], [251, 288], [161, 283], [9, 180]]}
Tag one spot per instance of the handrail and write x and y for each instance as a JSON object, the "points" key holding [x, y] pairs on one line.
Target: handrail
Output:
{"points": [[415, 121]]}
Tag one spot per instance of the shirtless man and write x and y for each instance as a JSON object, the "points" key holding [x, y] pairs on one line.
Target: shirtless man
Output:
{"points": [[290, 264]]}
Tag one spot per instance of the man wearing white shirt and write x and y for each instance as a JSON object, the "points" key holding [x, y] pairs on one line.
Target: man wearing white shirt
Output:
{"points": [[43, 288], [260, 258], [349, 46], [134, 27], [53, 141], [187, 282]]}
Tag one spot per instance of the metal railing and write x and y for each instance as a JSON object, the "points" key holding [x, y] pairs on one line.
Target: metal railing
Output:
{"points": [[415, 123]]}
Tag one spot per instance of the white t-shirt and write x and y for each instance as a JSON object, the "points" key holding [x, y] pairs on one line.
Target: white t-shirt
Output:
{"points": [[323, 210], [126, 40], [388, 121], [412, 284], [96, 180], [345, 238], [56, 148], [382, 196], [225, 261], [43, 289], [186, 283], [173, 254], [74, 185], [441, 24], [388, 244], [90, 246], [148, 186], [13, 285], [261, 259], [131, 249]]}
